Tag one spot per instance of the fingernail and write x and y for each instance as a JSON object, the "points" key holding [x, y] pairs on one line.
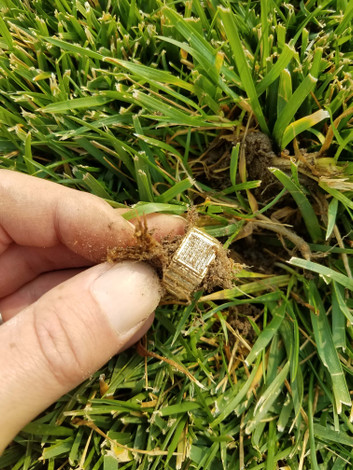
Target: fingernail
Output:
{"points": [[127, 293], [176, 216], [131, 224]]}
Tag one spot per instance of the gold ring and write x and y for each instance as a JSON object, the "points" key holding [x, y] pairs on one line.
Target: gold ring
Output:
{"points": [[190, 263]]}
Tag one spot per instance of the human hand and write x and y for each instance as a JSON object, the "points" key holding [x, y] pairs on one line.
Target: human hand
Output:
{"points": [[62, 318]]}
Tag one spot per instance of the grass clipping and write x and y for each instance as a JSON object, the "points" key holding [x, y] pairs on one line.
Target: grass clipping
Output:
{"points": [[159, 255]]}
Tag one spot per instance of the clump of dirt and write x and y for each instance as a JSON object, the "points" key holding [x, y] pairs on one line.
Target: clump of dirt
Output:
{"points": [[259, 157], [220, 272], [213, 166], [159, 255], [238, 318]]}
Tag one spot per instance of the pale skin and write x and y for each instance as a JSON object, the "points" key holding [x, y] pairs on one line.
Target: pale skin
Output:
{"points": [[65, 312]]}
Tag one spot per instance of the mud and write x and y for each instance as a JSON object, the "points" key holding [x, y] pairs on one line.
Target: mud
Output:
{"points": [[238, 319], [212, 168], [259, 157]]}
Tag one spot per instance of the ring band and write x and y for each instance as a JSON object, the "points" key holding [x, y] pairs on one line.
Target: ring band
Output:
{"points": [[190, 263]]}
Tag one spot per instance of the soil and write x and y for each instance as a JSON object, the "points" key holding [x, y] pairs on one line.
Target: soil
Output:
{"points": [[212, 168], [259, 157], [237, 318], [252, 253]]}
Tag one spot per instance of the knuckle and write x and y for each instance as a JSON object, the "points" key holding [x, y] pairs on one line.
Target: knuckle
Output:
{"points": [[59, 349]]}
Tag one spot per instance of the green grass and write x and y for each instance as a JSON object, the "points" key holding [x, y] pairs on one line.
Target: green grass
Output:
{"points": [[123, 99]]}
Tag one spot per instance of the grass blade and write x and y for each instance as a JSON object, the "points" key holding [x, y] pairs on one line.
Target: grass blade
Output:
{"points": [[326, 273], [327, 434], [336, 193], [5, 34], [303, 124], [284, 91], [179, 188], [294, 103], [267, 334], [67, 46], [204, 52], [331, 217], [170, 114], [267, 399], [326, 348], [237, 398], [41, 429], [78, 103], [338, 295], [279, 67], [306, 209], [242, 65], [346, 20], [251, 288], [338, 317], [150, 207], [313, 457], [150, 74]]}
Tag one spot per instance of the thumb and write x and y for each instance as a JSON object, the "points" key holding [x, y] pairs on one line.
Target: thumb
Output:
{"points": [[54, 344]]}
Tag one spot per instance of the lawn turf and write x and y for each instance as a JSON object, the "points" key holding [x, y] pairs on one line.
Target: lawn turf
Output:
{"points": [[168, 105]]}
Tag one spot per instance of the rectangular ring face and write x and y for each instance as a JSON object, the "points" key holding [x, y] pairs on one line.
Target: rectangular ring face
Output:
{"points": [[196, 252]]}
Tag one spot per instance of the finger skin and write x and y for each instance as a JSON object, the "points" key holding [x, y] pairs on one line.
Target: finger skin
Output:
{"points": [[38, 213], [53, 345], [32, 261], [20, 264], [32, 291]]}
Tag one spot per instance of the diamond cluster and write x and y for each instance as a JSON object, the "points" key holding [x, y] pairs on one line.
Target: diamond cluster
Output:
{"points": [[190, 263]]}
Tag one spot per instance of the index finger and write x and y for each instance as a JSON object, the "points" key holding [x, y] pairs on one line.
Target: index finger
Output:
{"points": [[38, 213]]}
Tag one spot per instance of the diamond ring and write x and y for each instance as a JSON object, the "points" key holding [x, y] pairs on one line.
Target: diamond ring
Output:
{"points": [[190, 263]]}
